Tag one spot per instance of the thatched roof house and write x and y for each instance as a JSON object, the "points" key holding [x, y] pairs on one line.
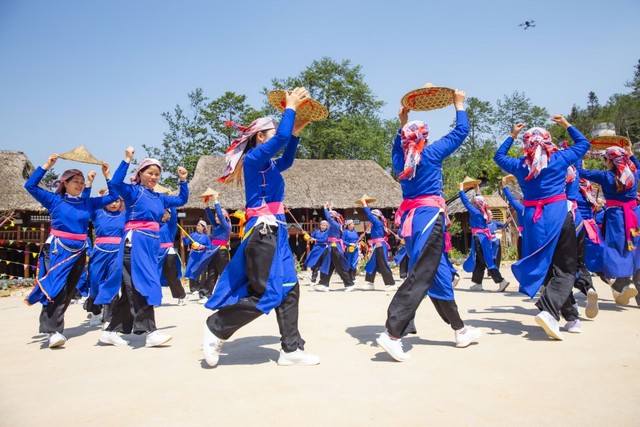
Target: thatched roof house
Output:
{"points": [[310, 184], [15, 169]]}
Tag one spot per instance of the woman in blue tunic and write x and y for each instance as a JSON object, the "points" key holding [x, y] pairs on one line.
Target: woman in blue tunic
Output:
{"points": [[220, 233], [63, 256], [621, 256], [169, 262], [336, 253], [379, 260], [261, 275], [549, 249], [199, 244], [105, 264], [319, 255], [140, 288], [351, 238], [518, 207], [481, 255], [418, 163], [588, 207]]}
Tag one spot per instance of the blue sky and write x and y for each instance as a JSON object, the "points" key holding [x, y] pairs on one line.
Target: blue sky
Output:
{"points": [[100, 73]]}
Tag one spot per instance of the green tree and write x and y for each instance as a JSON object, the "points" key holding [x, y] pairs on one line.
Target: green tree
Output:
{"points": [[49, 178], [229, 107], [518, 108]]}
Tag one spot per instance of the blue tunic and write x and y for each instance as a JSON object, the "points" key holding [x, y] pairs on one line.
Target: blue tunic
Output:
{"points": [[539, 239], [319, 247], [428, 181], [495, 242], [263, 183], [105, 260], [618, 260], [167, 235], [198, 258], [70, 215], [143, 204], [477, 220], [377, 231], [350, 239], [335, 232]]}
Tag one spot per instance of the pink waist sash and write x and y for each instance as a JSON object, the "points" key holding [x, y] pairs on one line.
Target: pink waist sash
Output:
{"points": [[219, 242], [630, 219], [108, 240], [482, 230], [591, 228], [142, 225], [166, 245], [411, 205], [336, 240], [539, 204], [70, 236], [272, 208], [379, 240]]}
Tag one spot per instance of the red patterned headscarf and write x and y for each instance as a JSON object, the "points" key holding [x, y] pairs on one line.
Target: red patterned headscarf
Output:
{"points": [[587, 191], [537, 148], [414, 136], [571, 170], [484, 208], [236, 149], [624, 170], [335, 215], [377, 213]]}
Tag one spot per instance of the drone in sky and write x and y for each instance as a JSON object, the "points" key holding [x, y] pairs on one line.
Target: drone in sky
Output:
{"points": [[528, 24]]}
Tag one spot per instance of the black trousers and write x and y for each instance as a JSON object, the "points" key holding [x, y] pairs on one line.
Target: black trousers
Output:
{"points": [[404, 266], [259, 251], [448, 311], [382, 267], [336, 264], [316, 269], [583, 282], [519, 246], [216, 266], [407, 299], [557, 298], [131, 313], [481, 264], [52, 314], [170, 272]]}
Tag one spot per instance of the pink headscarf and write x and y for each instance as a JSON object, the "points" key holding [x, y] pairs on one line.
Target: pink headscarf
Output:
{"points": [[484, 208], [537, 148], [624, 168], [145, 163], [238, 145], [414, 136], [335, 215], [66, 176]]}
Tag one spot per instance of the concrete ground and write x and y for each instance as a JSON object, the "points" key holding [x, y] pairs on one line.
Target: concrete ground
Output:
{"points": [[515, 375]]}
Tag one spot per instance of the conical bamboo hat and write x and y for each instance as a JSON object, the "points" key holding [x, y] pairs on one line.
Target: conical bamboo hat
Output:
{"points": [[80, 154]]}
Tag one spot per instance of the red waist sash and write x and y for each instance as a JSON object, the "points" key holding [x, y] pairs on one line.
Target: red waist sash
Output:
{"points": [[539, 204]]}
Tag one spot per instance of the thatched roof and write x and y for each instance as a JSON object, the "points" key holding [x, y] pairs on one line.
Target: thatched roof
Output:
{"points": [[309, 184], [15, 169], [455, 205]]}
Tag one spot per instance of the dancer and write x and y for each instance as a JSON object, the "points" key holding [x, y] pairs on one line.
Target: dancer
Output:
{"points": [[481, 254], [351, 239], [519, 208], [261, 275], [199, 243], [105, 261], [318, 257], [621, 257], [418, 164], [549, 240], [220, 233], [379, 260], [140, 290], [336, 253], [589, 208], [169, 262], [62, 258]]}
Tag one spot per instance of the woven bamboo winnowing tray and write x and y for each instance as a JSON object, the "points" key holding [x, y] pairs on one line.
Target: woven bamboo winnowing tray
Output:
{"points": [[310, 110], [606, 141], [428, 98]]}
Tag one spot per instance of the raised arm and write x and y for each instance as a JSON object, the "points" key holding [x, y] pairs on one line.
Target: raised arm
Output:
{"points": [[450, 143], [124, 190], [110, 197], [467, 203], [519, 207], [180, 199], [46, 198], [375, 221]]}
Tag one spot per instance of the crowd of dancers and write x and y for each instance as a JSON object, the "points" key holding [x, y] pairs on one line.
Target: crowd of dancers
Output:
{"points": [[560, 239]]}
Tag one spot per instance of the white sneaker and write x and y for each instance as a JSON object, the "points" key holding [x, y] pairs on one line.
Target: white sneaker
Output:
{"points": [[182, 301], [550, 325], [112, 338], [628, 292], [391, 288], [56, 339], [321, 288], [297, 358], [502, 286], [476, 287], [96, 320], [456, 280], [368, 286], [155, 339], [591, 310], [393, 347], [466, 336], [350, 288], [203, 300], [211, 347], [573, 326]]}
